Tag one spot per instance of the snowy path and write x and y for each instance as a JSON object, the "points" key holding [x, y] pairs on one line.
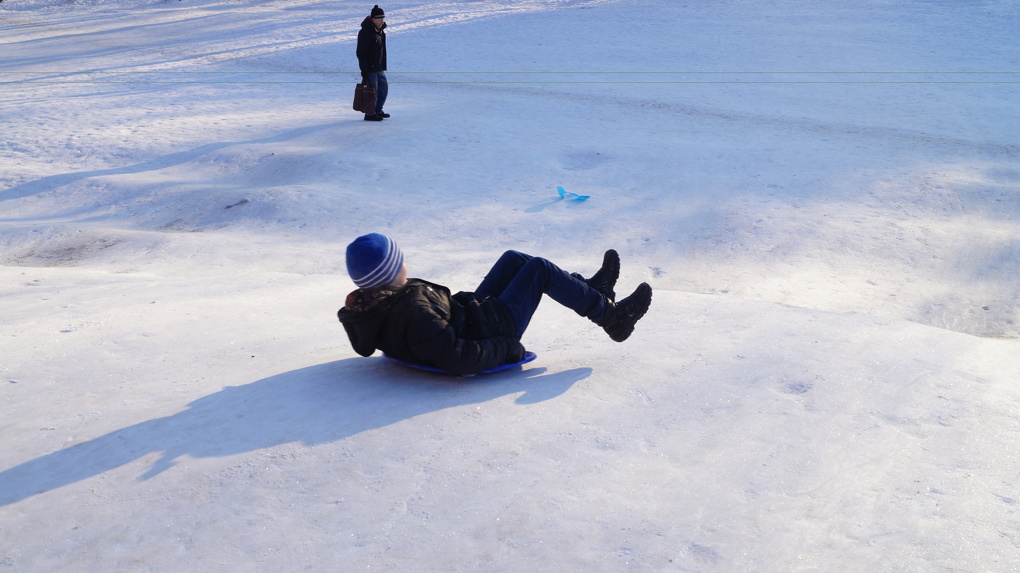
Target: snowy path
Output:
{"points": [[824, 198]]}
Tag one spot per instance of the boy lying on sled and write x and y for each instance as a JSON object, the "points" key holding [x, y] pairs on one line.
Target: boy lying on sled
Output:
{"points": [[421, 322]]}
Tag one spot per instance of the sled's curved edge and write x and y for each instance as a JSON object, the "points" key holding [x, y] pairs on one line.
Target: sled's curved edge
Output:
{"points": [[528, 357]]}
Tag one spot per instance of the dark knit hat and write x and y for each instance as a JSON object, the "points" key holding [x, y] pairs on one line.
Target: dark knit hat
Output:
{"points": [[377, 11], [373, 260]]}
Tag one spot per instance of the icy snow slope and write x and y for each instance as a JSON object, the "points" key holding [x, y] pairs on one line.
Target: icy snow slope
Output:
{"points": [[825, 199]]}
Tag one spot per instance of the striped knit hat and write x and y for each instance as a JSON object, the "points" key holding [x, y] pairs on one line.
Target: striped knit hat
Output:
{"points": [[373, 260]]}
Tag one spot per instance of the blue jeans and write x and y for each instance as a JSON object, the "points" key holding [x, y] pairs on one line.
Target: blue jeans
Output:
{"points": [[382, 87], [519, 281]]}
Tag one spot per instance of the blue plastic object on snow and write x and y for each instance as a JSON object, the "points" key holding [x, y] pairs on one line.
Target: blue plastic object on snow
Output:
{"points": [[528, 357], [568, 196]]}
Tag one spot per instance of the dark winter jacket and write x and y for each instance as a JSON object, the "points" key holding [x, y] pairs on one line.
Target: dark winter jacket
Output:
{"points": [[371, 47], [422, 322]]}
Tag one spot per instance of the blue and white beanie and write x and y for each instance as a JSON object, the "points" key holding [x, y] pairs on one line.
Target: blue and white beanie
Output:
{"points": [[373, 260]]}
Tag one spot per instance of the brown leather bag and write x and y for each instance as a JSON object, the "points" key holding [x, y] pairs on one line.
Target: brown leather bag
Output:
{"points": [[364, 98]]}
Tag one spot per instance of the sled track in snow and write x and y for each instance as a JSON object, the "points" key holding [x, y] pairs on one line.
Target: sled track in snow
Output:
{"points": [[805, 125]]}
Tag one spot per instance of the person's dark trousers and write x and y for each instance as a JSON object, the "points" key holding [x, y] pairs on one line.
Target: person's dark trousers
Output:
{"points": [[382, 87], [520, 280]]}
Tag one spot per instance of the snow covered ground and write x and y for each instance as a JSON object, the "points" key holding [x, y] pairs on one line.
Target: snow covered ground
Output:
{"points": [[825, 197]]}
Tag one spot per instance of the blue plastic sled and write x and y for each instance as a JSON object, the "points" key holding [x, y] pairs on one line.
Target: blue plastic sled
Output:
{"points": [[528, 357], [568, 196]]}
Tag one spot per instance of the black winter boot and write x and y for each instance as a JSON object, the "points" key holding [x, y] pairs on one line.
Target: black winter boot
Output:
{"points": [[619, 318], [604, 280]]}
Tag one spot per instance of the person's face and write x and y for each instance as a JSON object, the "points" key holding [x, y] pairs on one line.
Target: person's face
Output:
{"points": [[378, 21]]}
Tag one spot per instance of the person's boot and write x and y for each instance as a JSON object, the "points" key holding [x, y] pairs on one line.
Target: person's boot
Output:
{"points": [[619, 318], [604, 280]]}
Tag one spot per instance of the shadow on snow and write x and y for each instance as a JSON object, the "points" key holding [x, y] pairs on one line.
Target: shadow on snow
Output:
{"points": [[315, 405]]}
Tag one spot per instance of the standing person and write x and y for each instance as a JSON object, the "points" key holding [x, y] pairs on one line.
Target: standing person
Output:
{"points": [[470, 332], [372, 59]]}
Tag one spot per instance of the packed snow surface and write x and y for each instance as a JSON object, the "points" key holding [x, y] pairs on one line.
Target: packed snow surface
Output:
{"points": [[825, 197]]}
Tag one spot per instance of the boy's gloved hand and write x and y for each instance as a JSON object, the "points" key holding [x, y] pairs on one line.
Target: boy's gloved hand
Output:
{"points": [[515, 353]]}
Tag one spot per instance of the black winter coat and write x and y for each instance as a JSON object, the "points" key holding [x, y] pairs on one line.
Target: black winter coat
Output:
{"points": [[422, 322], [371, 48]]}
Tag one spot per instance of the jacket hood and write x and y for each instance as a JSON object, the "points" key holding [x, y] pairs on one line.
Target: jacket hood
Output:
{"points": [[363, 317]]}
